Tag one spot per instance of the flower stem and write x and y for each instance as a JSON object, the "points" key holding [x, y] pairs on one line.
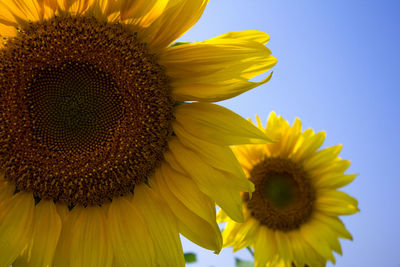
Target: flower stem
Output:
{"points": [[251, 251]]}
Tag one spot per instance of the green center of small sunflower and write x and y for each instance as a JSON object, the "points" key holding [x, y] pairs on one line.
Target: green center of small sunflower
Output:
{"points": [[283, 199], [280, 190], [86, 110]]}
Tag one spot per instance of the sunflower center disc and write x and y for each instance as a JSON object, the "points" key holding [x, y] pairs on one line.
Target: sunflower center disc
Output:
{"points": [[283, 199], [86, 110], [73, 110]]}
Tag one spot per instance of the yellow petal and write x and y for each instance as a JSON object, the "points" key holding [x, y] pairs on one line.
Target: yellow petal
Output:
{"points": [[312, 235], [273, 122], [129, 235], [326, 236], [276, 129], [265, 247], [246, 233], [249, 155], [219, 68], [16, 217], [322, 158], [26, 10], [142, 13], [83, 240], [334, 223], [52, 4], [162, 226], [299, 253], [259, 123], [187, 191], [62, 210], [6, 32], [215, 184], [302, 252], [219, 157], [250, 35], [18, 12], [330, 237], [178, 17], [330, 181], [213, 91], [222, 216], [6, 190], [169, 157], [289, 139], [6, 16], [217, 125], [334, 167], [283, 245], [8, 23], [241, 235], [335, 202], [230, 233], [46, 232], [76, 6], [308, 144], [133, 13], [245, 57], [194, 211]]}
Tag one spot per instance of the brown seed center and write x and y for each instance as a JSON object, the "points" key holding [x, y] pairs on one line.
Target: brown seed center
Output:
{"points": [[72, 108], [283, 199], [86, 110]]}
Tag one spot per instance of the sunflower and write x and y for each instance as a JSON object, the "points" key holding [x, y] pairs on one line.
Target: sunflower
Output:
{"points": [[291, 219], [102, 162]]}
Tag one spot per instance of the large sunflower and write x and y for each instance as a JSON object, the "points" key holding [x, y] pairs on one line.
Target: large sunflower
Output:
{"points": [[102, 163], [291, 219]]}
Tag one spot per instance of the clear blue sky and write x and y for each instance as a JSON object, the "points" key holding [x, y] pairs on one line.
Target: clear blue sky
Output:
{"points": [[338, 70]]}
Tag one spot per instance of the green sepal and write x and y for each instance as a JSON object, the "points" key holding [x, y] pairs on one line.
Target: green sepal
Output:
{"points": [[146, 182], [179, 43], [178, 103]]}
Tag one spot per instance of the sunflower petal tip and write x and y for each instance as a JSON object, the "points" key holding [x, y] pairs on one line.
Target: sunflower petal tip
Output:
{"points": [[216, 252], [272, 115], [252, 188]]}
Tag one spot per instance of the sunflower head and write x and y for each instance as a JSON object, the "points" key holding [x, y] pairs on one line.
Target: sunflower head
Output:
{"points": [[292, 217], [284, 198], [89, 90], [99, 165], [83, 104]]}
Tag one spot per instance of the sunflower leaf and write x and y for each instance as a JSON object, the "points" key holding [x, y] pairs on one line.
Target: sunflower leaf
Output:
{"points": [[190, 257], [242, 263]]}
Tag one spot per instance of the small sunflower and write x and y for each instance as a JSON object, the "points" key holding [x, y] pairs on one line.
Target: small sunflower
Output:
{"points": [[102, 163], [291, 219]]}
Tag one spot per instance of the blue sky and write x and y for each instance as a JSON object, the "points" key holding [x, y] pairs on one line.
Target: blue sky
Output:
{"points": [[338, 64]]}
